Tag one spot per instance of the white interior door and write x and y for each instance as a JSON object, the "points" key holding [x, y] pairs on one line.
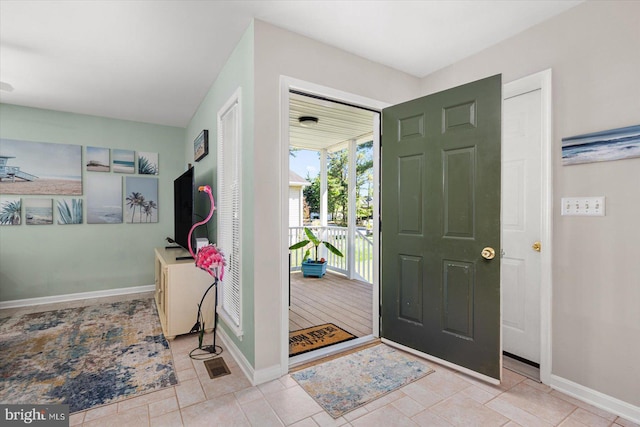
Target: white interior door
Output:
{"points": [[522, 221]]}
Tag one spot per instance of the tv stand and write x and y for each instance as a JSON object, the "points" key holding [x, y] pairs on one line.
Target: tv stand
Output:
{"points": [[179, 288]]}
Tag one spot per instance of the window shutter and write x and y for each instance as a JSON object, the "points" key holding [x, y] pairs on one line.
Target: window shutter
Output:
{"points": [[228, 210]]}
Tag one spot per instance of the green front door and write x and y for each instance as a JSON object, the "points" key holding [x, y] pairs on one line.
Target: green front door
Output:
{"points": [[440, 208]]}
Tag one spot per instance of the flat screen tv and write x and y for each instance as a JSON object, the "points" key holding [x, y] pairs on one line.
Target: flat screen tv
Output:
{"points": [[184, 209]]}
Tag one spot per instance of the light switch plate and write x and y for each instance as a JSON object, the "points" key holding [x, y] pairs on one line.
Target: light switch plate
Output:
{"points": [[583, 206]]}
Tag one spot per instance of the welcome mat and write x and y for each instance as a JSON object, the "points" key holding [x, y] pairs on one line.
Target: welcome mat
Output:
{"points": [[347, 383], [304, 340], [85, 356]]}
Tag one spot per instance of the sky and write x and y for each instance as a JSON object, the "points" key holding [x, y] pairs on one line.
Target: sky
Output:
{"points": [[45, 160], [304, 162]]}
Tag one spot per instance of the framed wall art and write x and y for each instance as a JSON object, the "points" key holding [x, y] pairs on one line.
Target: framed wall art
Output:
{"points": [[148, 163], [123, 161], [141, 200], [201, 146], [10, 211], [38, 211], [614, 144], [97, 159], [29, 168], [104, 199]]}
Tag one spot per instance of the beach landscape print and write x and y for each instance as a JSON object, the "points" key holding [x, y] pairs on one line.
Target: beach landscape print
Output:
{"points": [[10, 211], [97, 159], [141, 200], [104, 199], [615, 144], [38, 211], [124, 161], [28, 167], [148, 163]]}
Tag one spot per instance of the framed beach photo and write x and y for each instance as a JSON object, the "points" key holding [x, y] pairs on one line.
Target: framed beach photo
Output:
{"points": [[141, 200], [604, 146], [40, 168], [123, 161], [97, 159], [148, 163], [38, 211], [104, 198], [201, 146]]}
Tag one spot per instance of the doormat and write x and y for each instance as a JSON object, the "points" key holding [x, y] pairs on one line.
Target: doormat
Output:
{"points": [[216, 368], [349, 382], [84, 357], [309, 339]]}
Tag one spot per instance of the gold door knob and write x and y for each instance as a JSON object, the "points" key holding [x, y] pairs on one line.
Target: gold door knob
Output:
{"points": [[537, 246], [488, 253]]}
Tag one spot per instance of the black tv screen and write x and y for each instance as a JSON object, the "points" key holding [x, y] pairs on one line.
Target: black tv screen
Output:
{"points": [[183, 194]]}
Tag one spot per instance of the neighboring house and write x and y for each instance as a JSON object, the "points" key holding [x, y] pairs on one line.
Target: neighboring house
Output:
{"points": [[296, 199]]}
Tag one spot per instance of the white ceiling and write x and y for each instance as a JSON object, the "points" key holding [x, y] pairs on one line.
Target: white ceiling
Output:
{"points": [[153, 61]]}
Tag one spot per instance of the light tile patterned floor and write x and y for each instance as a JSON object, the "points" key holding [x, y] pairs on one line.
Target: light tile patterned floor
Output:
{"points": [[444, 398]]}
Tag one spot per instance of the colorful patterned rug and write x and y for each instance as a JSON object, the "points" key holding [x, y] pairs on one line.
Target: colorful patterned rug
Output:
{"points": [[349, 382], [84, 357], [304, 340]]}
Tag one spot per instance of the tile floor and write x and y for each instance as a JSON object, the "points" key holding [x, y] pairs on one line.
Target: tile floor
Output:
{"points": [[444, 398]]}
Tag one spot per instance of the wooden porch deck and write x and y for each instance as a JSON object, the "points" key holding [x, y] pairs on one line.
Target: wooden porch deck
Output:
{"points": [[332, 299]]}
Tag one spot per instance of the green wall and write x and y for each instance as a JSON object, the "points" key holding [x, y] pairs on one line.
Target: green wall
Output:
{"points": [[237, 73], [50, 260]]}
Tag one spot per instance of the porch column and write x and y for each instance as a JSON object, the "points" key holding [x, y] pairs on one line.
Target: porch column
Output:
{"points": [[324, 199], [352, 211]]}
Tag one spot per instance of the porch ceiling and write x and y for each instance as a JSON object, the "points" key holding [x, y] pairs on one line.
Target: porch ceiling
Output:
{"points": [[337, 124]]}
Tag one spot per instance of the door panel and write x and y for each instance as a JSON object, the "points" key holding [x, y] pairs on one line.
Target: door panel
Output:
{"points": [[440, 207], [522, 212]]}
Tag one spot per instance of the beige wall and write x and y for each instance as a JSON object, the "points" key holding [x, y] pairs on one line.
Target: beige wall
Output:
{"points": [[594, 52], [279, 52]]}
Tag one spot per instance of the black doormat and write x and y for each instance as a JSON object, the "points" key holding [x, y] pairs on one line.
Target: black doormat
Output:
{"points": [[216, 368]]}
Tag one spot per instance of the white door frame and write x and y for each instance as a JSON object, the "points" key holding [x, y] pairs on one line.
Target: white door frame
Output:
{"points": [[286, 85], [542, 81], [539, 81]]}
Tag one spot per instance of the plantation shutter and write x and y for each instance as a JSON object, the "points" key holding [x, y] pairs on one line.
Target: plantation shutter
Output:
{"points": [[228, 209]]}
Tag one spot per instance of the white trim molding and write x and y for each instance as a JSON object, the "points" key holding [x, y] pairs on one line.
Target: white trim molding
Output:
{"points": [[287, 84], [77, 296], [599, 400], [542, 81], [255, 377]]}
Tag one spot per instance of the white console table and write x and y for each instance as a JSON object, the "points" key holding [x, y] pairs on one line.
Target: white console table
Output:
{"points": [[179, 289]]}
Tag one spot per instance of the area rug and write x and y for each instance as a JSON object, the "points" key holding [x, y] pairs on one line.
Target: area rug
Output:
{"points": [[316, 337], [349, 382], [84, 357]]}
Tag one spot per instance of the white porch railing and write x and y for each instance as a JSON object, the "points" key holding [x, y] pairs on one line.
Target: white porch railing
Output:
{"points": [[337, 236]]}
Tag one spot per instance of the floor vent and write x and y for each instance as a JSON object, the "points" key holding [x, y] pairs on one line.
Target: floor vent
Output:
{"points": [[216, 368]]}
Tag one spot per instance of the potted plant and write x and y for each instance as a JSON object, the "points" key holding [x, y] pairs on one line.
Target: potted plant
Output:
{"points": [[315, 267]]}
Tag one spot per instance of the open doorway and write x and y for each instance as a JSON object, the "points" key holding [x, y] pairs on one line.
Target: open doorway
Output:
{"points": [[332, 163]]}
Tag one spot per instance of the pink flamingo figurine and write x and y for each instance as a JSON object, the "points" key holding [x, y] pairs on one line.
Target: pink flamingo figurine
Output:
{"points": [[211, 260], [208, 258]]}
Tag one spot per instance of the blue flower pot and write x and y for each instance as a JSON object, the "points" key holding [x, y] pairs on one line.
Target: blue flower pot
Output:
{"points": [[313, 269]]}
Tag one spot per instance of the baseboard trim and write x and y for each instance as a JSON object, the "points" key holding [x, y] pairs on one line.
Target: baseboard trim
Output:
{"points": [[74, 297], [255, 377], [596, 398]]}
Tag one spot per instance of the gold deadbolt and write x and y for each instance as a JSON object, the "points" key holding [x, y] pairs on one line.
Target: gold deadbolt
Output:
{"points": [[488, 253], [537, 246]]}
